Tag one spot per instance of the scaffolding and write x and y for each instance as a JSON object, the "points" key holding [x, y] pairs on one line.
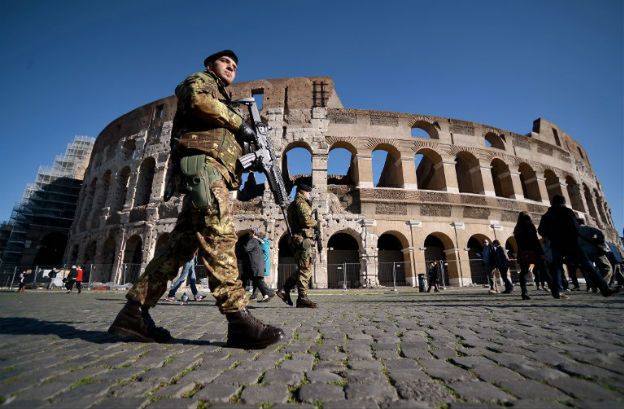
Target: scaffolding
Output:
{"points": [[50, 201]]}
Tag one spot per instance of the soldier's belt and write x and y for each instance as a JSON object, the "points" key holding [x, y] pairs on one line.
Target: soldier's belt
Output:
{"points": [[198, 177]]}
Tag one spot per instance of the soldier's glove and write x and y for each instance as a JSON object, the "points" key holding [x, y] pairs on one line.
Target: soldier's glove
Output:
{"points": [[245, 133]]}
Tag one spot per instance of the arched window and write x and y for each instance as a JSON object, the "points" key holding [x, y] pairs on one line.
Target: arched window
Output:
{"points": [[528, 179], [492, 140], [144, 183], [553, 185], [297, 165], [342, 167], [468, 172], [387, 167], [501, 177], [429, 170], [574, 192]]}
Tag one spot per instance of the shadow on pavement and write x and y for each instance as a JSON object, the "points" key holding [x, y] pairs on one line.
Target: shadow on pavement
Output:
{"points": [[63, 329]]}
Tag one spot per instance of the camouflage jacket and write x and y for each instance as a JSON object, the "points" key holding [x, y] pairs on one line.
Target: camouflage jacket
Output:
{"points": [[203, 122], [300, 217]]}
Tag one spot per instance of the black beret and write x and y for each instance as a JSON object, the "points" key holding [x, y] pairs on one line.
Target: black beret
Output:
{"points": [[213, 57], [304, 188]]}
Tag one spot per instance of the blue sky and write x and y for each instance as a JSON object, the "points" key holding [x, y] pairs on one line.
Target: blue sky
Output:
{"points": [[71, 67]]}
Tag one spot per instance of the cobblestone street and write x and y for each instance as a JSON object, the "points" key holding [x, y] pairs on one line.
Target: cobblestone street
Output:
{"points": [[460, 348]]}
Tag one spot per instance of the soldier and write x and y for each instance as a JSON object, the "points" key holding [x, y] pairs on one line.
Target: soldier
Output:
{"points": [[206, 142], [302, 241]]}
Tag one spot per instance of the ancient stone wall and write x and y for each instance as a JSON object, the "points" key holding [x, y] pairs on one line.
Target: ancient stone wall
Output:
{"points": [[445, 185]]}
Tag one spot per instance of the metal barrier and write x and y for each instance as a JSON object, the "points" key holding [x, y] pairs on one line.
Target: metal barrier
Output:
{"points": [[345, 275], [392, 273]]}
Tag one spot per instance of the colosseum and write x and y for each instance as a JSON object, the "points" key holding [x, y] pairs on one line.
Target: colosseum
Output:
{"points": [[445, 185]]}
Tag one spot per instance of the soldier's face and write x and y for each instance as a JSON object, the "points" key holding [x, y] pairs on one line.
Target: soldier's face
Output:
{"points": [[225, 68]]}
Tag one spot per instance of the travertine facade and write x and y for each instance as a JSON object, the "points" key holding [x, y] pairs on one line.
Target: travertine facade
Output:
{"points": [[446, 184]]}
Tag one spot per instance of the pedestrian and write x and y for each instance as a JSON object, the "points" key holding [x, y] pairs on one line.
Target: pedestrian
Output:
{"points": [[487, 260], [21, 287], [432, 277], [501, 263], [79, 278], [188, 271], [592, 241], [530, 252], [560, 227], [207, 136], [254, 264], [70, 280], [51, 275], [302, 241]]}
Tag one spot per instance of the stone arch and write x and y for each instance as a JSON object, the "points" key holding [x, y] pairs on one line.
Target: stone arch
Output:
{"points": [[133, 258], [393, 262], [429, 170], [590, 202], [144, 183], [492, 140], [87, 204], [600, 206], [89, 253], [339, 152], [428, 128], [392, 171], [553, 185], [468, 169], [297, 164], [107, 260], [528, 180], [574, 192], [128, 148], [501, 177], [343, 260], [123, 178], [101, 197], [51, 249], [478, 270], [439, 247], [73, 255], [511, 247]]}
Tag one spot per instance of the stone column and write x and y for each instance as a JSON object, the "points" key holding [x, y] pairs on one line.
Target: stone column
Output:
{"points": [[365, 171], [488, 182], [409, 173], [452, 186], [319, 171], [541, 184], [565, 193], [517, 185], [411, 277], [369, 254]]}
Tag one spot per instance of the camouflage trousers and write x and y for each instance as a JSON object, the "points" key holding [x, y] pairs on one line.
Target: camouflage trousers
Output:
{"points": [[303, 249], [212, 232]]}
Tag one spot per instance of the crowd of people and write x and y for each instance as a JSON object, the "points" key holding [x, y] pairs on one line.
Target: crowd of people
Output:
{"points": [[566, 240]]}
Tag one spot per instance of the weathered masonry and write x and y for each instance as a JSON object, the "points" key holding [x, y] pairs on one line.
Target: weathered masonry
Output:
{"points": [[444, 186]]}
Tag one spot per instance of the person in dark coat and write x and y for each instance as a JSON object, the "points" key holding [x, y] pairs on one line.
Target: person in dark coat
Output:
{"points": [[560, 227], [501, 263], [254, 264], [487, 258], [433, 275], [529, 251]]}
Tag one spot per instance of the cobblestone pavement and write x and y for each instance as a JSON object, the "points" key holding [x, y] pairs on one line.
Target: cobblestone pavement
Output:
{"points": [[371, 349]]}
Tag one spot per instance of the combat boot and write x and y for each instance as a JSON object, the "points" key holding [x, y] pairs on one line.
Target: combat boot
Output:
{"points": [[284, 294], [247, 332], [305, 302], [134, 321]]}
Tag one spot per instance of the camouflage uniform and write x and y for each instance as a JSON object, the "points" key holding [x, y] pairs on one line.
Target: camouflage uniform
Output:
{"points": [[203, 125], [302, 242]]}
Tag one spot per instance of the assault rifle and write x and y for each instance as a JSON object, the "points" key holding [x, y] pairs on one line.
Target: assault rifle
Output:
{"points": [[318, 233], [263, 158]]}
